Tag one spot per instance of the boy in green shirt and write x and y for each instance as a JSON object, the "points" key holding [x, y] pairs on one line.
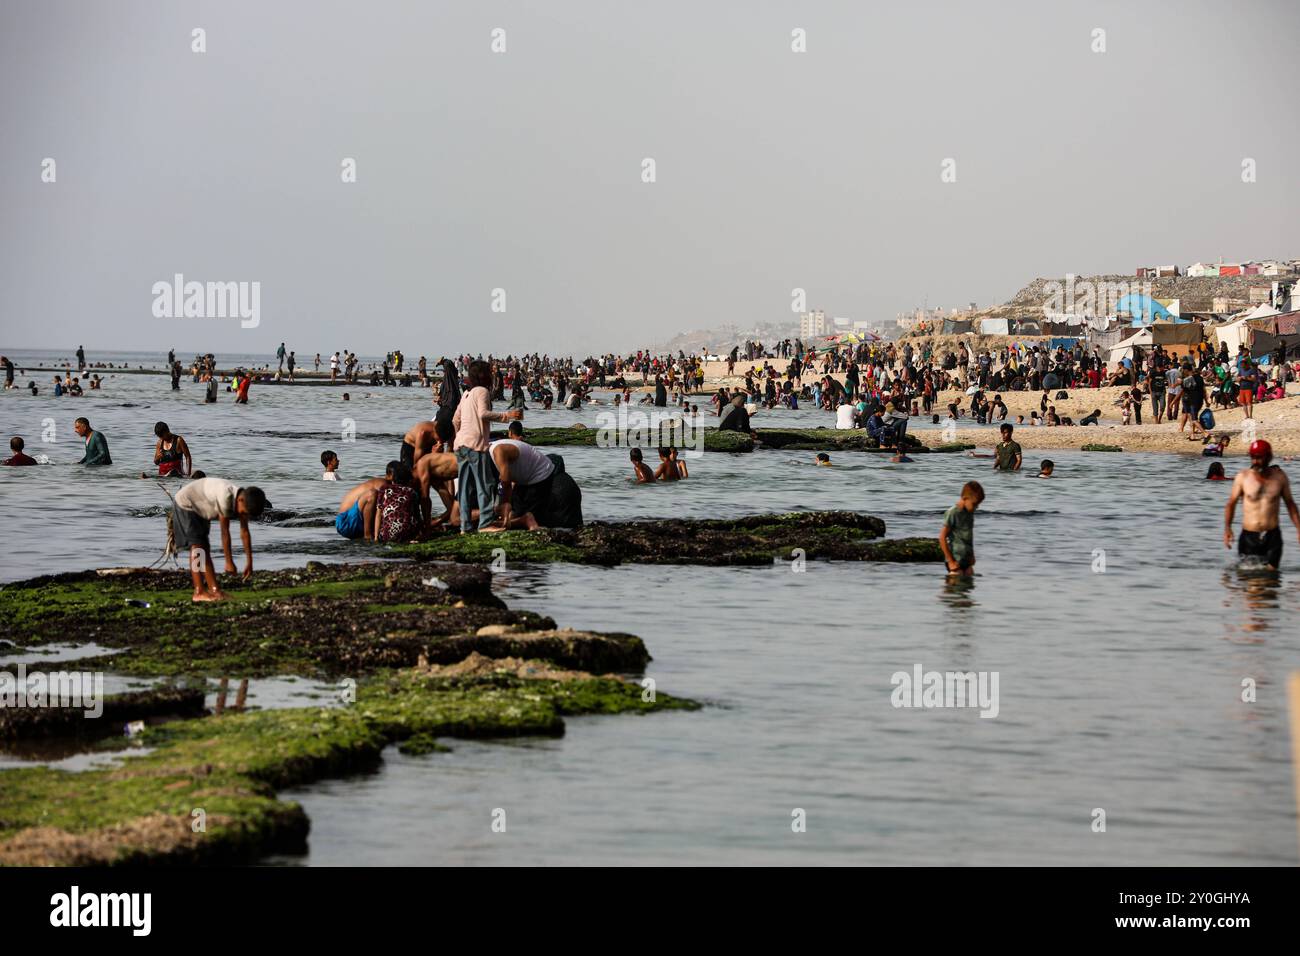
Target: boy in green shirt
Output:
{"points": [[957, 536]]}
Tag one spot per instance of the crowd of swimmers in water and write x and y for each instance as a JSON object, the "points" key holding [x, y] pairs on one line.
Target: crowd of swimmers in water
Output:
{"points": [[490, 482]]}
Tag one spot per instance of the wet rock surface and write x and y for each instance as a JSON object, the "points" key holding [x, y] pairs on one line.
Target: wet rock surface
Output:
{"points": [[225, 770], [327, 620], [753, 541], [117, 711], [794, 439]]}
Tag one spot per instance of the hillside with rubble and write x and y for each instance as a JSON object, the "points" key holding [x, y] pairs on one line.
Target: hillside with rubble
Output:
{"points": [[1195, 293]]}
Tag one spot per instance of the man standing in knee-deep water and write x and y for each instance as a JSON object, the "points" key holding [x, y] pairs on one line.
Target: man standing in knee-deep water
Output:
{"points": [[197, 505], [1262, 487], [96, 444], [476, 474]]}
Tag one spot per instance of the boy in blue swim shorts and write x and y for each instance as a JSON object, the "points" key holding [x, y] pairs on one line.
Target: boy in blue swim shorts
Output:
{"points": [[356, 517]]}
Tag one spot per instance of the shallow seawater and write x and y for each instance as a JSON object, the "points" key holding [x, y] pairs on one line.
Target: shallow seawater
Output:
{"points": [[1118, 624]]}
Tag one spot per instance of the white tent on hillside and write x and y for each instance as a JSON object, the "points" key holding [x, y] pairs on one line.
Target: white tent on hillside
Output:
{"points": [[1261, 311]]}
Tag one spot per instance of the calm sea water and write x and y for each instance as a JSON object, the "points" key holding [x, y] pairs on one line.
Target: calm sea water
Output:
{"points": [[1118, 689]]}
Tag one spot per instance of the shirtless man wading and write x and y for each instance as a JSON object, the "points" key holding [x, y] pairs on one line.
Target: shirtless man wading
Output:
{"points": [[1262, 486]]}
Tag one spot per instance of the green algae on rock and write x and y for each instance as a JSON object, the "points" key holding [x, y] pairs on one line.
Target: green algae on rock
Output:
{"points": [[827, 439], [664, 436], [114, 711], [753, 540], [418, 745], [579, 650], [223, 771], [1096, 447], [319, 620]]}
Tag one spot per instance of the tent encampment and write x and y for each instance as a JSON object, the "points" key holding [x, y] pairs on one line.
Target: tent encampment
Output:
{"points": [[1124, 348], [1236, 335], [1260, 331], [1176, 338]]}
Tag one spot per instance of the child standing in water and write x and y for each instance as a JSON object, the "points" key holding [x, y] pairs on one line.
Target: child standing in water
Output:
{"points": [[957, 536], [331, 463]]}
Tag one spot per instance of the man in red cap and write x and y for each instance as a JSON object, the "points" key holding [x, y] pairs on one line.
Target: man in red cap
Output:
{"points": [[1261, 486]]}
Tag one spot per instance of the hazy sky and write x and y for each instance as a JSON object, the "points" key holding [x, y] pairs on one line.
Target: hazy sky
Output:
{"points": [[523, 170]]}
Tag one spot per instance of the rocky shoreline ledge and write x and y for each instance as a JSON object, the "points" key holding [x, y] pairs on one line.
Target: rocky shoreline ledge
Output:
{"points": [[417, 657], [751, 541], [420, 651], [784, 439]]}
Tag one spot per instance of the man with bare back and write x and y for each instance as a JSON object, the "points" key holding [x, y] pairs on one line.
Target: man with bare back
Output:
{"points": [[1261, 487], [356, 517], [436, 472], [418, 442]]}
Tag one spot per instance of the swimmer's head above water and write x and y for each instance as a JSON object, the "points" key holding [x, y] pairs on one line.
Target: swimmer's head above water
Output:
{"points": [[823, 458]]}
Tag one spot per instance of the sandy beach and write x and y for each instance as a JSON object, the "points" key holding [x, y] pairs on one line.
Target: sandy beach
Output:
{"points": [[1276, 421]]}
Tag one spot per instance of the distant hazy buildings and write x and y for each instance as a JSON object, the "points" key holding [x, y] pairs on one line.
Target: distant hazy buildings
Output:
{"points": [[812, 324], [1157, 272], [1268, 267]]}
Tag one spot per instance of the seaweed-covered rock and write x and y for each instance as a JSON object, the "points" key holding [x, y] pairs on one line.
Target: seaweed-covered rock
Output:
{"points": [[114, 711], [229, 768], [664, 436], [580, 650], [325, 619], [828, 439], [752, 540]]}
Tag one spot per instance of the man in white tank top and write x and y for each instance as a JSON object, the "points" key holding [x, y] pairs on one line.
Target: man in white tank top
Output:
{"points": [[525, 482]]}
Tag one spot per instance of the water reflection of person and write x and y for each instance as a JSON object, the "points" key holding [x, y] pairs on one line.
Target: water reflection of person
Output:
{"points": [[959, 592], [241, 695], [1260, 590]]}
